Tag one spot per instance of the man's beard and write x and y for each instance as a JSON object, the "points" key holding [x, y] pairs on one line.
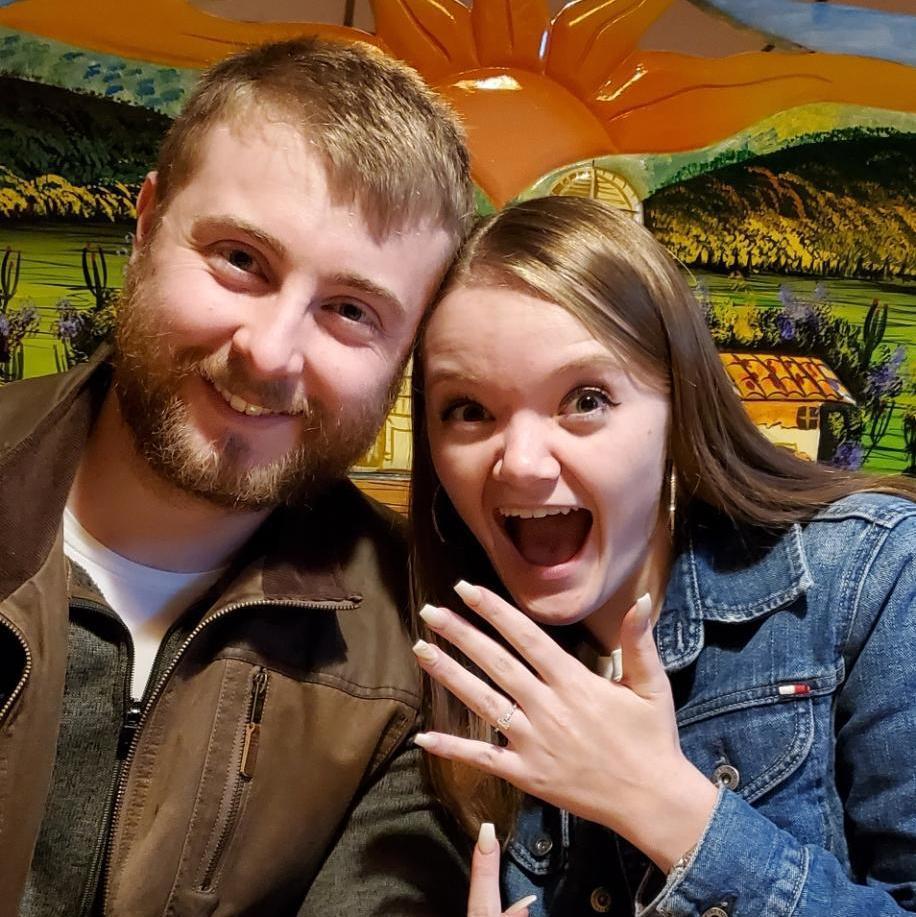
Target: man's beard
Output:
{"points": [[149, 374]]}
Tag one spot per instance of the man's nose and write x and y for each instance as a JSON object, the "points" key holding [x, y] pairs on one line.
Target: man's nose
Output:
{"points": [[526, 457], [272, 339]]}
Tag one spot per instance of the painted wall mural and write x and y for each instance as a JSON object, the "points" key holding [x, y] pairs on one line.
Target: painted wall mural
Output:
{"points": [[783, 180]]}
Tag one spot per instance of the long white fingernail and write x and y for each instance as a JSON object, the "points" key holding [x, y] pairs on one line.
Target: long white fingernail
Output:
{"points": [[433, 616], [470, 595], [424, 740], [521, 904], [617, 664], [486, 837], [423, 650], [644, 608]]}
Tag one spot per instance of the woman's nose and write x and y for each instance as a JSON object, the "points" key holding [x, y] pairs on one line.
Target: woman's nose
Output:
{"points": [[526, 456]]}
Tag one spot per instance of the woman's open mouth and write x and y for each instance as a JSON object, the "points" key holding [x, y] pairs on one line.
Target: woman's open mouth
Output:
{"points": [[546, 536]]}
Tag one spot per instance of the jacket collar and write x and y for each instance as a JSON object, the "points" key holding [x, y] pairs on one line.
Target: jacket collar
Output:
{"points": [[727, 575], [44, 425]]}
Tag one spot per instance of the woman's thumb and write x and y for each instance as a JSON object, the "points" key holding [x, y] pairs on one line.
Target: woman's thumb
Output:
{"points": [[642, 669]]}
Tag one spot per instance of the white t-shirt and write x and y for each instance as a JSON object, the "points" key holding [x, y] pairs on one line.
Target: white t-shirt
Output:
{"points": [[147, 600]]}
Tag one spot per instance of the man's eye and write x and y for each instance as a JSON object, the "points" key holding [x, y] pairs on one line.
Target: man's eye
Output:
{"points": [[586, 401], [465, 411], [352, 321]]}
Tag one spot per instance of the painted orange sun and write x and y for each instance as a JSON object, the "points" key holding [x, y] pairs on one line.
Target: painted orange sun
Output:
{"points": [[538, 93]]}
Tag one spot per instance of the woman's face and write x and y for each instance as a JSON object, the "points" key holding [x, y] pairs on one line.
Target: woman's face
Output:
{"points": [[550, 448]]}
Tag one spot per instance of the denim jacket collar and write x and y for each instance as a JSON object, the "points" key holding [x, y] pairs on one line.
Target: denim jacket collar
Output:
{"points": [[705, 586]]}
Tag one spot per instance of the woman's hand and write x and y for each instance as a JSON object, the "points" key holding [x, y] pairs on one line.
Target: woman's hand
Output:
{"points": [[604, 751], [484, 898]]}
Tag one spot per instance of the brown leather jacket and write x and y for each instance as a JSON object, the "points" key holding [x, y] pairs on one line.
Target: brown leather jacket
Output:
{"points": [[260, 775]]}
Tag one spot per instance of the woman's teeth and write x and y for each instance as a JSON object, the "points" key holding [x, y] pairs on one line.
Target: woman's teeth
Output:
{"points": [[538, 513]]}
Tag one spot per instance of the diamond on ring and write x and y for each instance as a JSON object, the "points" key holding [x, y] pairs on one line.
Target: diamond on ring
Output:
{"points": [[505, 721]]}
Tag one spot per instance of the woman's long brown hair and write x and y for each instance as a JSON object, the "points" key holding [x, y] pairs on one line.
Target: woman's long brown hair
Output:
{"points": [[614, 277]]}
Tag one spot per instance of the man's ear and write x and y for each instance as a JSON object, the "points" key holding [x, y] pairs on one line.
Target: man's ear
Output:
{"points": [[147, 202]]}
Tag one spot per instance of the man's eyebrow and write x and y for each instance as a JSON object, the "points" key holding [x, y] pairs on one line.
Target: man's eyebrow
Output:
{"points": [[370, 288], [220, 223]]}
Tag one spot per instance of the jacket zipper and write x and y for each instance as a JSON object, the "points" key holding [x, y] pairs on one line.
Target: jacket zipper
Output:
{"points": [[248, 756], [253, 726], [131, 710], [26, 672], [154, 695]]}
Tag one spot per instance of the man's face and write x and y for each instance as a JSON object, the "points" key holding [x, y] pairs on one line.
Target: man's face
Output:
{"points": [[263, 327]]}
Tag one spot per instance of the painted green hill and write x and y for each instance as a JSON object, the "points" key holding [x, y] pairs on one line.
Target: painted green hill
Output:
{"points": [[69, 156], [84, 139], [840, 207]]}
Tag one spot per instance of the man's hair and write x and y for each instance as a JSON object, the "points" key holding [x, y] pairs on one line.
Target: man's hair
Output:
{"points": [[389, 144]]}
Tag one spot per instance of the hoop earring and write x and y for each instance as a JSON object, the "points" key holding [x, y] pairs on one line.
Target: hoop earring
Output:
{"points": [[432, 512], [672, 500]]}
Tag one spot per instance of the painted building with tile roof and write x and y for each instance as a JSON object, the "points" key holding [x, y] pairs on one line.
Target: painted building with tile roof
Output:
{"points": [[788, 397]]}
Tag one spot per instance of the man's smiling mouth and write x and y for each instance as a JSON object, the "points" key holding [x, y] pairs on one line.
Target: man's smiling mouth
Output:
{"points": [[239, 404], [546, 536]]}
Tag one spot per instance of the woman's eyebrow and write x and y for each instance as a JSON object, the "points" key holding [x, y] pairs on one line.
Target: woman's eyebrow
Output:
{"points": [[600, 363], [448, 373]]}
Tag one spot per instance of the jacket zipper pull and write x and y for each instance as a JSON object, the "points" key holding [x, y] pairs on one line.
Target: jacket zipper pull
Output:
{"points": [[129, 727], [253, 726]]}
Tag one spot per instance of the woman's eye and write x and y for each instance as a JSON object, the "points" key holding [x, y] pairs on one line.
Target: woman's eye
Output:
{"points": [[241, 260], [586, 401], [465, 411], [352, 312]]}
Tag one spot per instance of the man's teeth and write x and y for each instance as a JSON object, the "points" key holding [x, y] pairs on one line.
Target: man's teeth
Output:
{"points": [[241, 405], [538, 513]]}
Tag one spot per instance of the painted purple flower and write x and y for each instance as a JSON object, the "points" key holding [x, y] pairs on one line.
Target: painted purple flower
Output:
{"points": [[795, 313], [5, 348], [849, 456], [28, 317], [68, 327], [69, 321], [885, 379], [786, 326], [798, 310]]}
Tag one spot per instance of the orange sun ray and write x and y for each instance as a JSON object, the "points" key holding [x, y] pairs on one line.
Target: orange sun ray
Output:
{"points": [[668, 102], [510, 33], [590, 38], [435, 38], [172, 32]]}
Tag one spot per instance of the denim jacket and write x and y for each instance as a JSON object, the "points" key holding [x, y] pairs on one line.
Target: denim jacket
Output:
{"points": [[794, 670]]}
